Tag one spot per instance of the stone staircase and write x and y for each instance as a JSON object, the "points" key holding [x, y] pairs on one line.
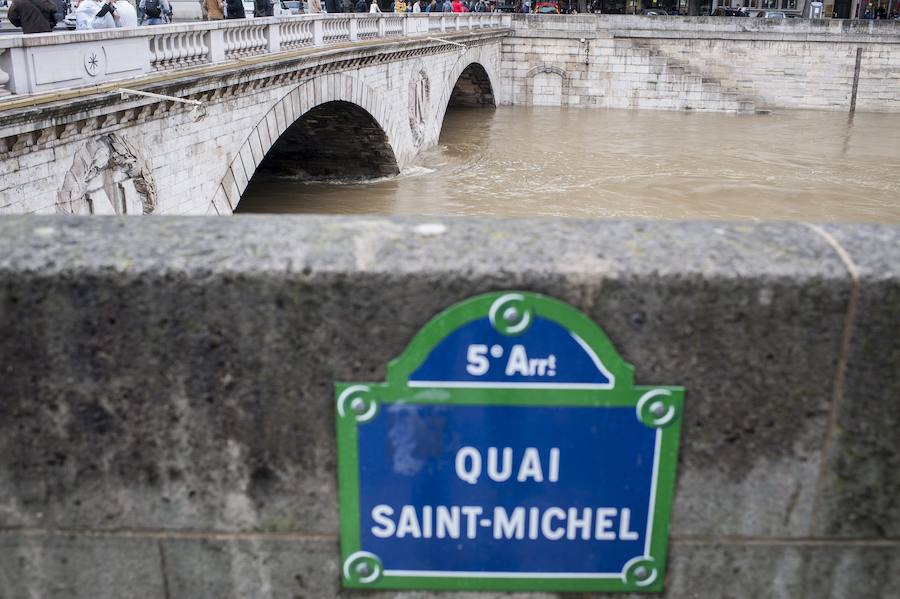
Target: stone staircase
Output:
{"points": [[658, 80]]}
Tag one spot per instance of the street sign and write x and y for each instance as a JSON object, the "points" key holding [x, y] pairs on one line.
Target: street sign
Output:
{"points": [[508, 450]]}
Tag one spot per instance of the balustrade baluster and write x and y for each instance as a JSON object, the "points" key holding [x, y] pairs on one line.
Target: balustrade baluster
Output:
{"points": [[4, 79], [236, 41], [154, 51], [168, 51], [245, 41], [181, 49], [204, 47], [191, 44], [229, 42]]}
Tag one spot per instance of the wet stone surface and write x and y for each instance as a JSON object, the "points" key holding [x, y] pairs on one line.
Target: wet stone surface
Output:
{"points": [[178, 373], [862, 480]]}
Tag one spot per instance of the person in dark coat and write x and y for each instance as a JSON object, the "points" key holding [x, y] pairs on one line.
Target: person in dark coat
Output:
{"points": [[235, 9], [361, 6], [263, 8], [33, 16]]}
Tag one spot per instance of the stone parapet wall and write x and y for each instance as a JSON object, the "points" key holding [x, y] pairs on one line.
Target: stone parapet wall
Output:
{"points": [[703, 63], [166, 406], [845, 29]]}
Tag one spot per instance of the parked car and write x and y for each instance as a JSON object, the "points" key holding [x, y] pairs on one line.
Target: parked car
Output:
{"points": [[770, 14], [506, 7], [546, 8], [654, 12], [69, 21], [729, 12]]}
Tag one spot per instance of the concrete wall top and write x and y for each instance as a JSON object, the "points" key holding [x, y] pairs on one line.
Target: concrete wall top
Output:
{"points": [[172, 378], [703, 249], [832, 29]]}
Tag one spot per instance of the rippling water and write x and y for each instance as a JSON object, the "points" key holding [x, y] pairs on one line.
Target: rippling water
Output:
{"points": [[814, 166]]}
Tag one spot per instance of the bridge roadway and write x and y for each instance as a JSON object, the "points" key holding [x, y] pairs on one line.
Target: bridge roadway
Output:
{"points": [[177, 118]]}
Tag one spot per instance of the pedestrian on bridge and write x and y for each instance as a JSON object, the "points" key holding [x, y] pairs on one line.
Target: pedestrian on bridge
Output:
{"points": [[155, 12], [234, 9], [91, 14], [361, 6], [373, 8], [263, 8], [315, 7], [215, 9], [126, 15], [33, 16]]}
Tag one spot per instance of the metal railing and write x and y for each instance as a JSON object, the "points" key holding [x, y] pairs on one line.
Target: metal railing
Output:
{"points": [[52, 61]]}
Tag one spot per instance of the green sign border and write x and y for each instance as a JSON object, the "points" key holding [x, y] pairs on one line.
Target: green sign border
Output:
{"points": [[511, 312]]}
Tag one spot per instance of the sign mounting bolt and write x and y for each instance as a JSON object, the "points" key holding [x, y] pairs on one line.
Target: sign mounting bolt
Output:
{"points": [[358, 405], [511, 315], [641, 573], [658, 409], [362, 569]]}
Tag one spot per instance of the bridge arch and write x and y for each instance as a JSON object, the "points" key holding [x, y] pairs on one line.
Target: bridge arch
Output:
{"points": [[473, 76], [473, 87], [340, 99]]}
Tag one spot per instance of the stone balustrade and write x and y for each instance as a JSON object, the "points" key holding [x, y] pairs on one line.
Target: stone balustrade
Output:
{"points": [[46, 62]]}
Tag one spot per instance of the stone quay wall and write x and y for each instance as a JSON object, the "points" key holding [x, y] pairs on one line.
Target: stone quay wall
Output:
{"points": [[167, 413], [703, 63]]}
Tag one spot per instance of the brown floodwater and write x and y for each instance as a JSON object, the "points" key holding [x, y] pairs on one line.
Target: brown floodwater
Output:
{"points": [[793, 165]]}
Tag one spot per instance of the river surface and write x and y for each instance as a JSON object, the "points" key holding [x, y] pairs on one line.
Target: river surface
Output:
{"points": [[790, 165]]}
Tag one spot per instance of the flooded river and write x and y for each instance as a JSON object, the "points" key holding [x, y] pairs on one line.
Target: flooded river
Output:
{"points": [[813, 166]]}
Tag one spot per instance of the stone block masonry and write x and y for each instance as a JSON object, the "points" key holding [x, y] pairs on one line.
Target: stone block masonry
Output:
{"points": [[166, 407], [694, 63]]}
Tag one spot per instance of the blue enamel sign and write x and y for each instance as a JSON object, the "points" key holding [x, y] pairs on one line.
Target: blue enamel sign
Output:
{"points": [[509, 449]]}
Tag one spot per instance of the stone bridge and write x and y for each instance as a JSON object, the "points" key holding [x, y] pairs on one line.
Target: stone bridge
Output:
{"points": [[177, 119]]}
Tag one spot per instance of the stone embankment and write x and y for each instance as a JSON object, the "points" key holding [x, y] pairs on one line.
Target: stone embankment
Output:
{"points": [[167, 418], [703, 63]]}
